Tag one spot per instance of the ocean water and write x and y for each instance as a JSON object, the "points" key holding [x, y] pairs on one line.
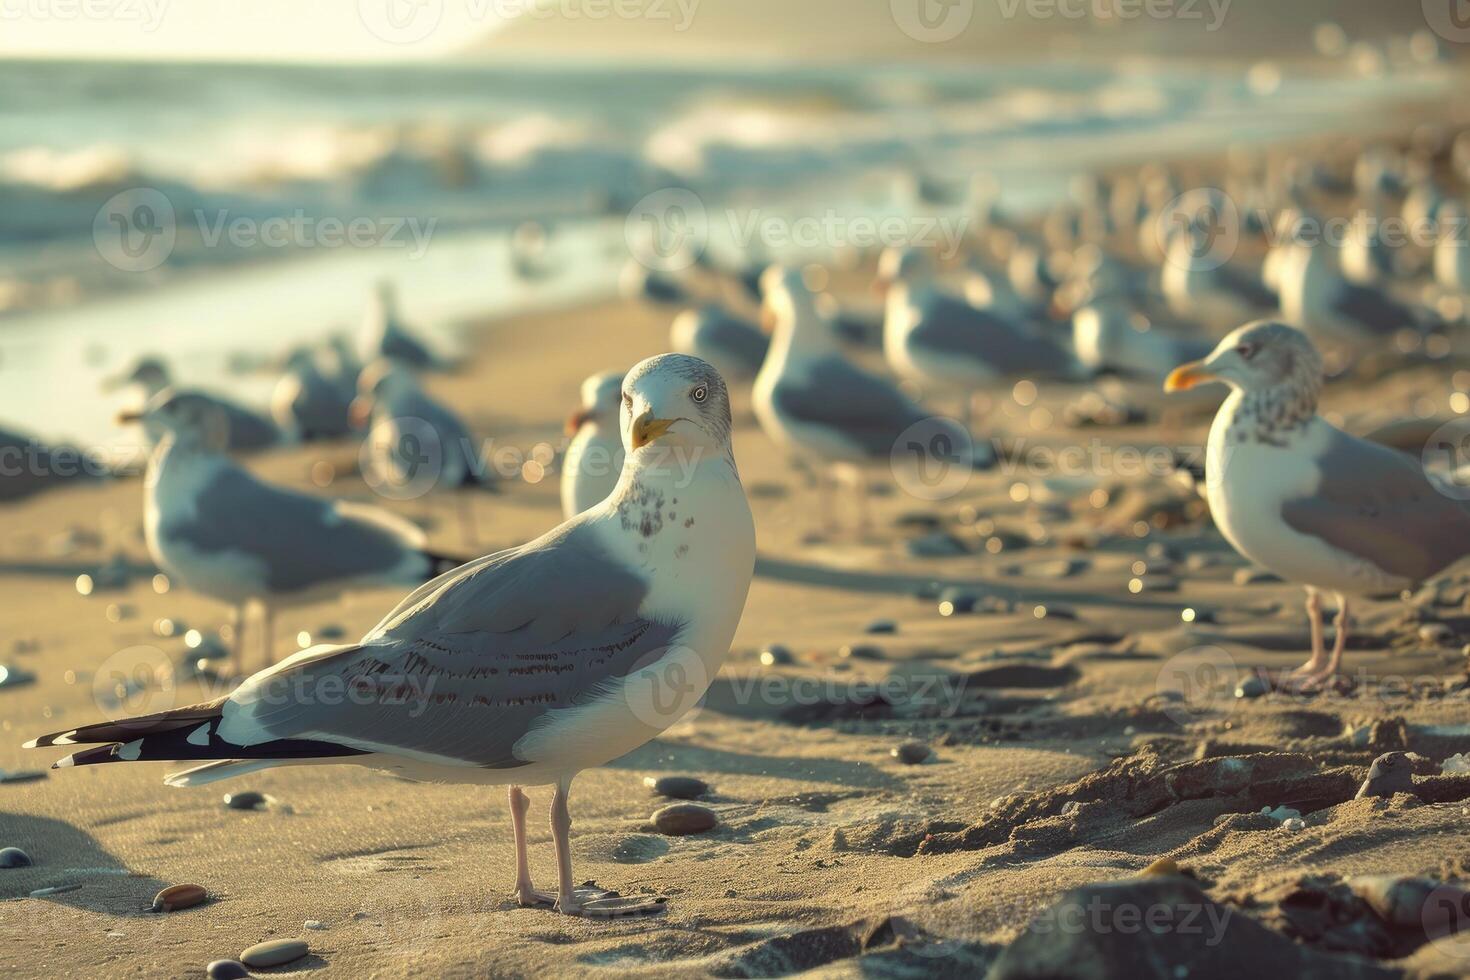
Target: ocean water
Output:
{"points": [[237, 185]]}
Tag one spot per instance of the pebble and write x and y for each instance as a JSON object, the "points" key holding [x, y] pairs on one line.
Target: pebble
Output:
{"points": [[677, 787], [1251, 687], [880, 626], [776, 654], [862, 651], [313, 924], [911, 753], [1456, 764], [55, 890], [1255, 576], [246, 800], [1436, 634], [1281, 814], [22, 775], [227, 970], [14, 857], [955, 601], [176, 897], [684, 818], [274, 952], [12, 676], [939, 544], [1293, 824]]}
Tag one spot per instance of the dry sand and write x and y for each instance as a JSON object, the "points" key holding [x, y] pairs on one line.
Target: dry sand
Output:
{"points": [[822, 833]]}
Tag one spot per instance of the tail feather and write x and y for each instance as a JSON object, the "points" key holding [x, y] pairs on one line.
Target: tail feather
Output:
{"points": [[127, 729], [212, 772]]}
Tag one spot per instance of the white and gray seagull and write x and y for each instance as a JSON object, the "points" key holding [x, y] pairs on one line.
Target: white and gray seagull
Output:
{"points": [[524, 667], [1308, 501], [218, 530], [594, 457]]}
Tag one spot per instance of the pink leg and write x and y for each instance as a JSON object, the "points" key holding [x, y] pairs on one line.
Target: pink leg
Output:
{"points": [[525, 893], [588, 900], [1314, 666]]}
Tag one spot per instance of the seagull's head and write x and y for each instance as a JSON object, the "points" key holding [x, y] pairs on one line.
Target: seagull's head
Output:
{"points": [[150, 373], [1256, 357], [601, 396], [191, 419], [677, 401]]}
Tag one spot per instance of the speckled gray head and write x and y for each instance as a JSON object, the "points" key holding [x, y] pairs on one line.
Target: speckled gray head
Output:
{"points": [[677, 400], [1257, 357]]}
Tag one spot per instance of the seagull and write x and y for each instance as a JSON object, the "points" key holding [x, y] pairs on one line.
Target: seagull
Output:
{"points": [[521, 668], [932, 336], [1315, 505], [28, 465], [1317, 297], [247, 429], [594, 457], [219, 531], [387, 336], [310, 402], [734, 345], [1109, 334], [1196, 282], [1452, 250], [812, 400], [414, 443]]}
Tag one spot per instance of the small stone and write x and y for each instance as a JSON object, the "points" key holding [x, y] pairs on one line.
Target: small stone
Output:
{"points": [[12, 676], [684, 818], [1293, 824], [1281, 814], [776, 654], [939, 544], [1253, 686], [227, 970], [22, 775], [1436, 634], [881, 626], [1255, 576], [314, 924], [14, 857], [861, 651], [274, 952], [677, 787], [1390, 773], [176, 897], [1456, 764], [911, 753], [952, 602], [1163, 866], [246, 800]]}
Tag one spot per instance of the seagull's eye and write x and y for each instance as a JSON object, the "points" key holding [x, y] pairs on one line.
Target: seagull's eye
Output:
{"points": [[1246, 351], [700, 394]]}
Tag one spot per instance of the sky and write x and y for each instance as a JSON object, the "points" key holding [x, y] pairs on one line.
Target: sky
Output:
{"points": [[247, 30]]}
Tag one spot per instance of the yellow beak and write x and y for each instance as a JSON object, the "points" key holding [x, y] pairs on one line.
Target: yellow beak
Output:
{"points": [[646, 428], [1186, 376]]}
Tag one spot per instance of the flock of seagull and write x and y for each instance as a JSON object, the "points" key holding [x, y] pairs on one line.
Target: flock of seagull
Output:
{"points": [[526, 666]]}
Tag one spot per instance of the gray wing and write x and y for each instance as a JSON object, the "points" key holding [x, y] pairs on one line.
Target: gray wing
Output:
{"points": [[301, 541], [1377, 503], [469, 663], [955, 328], [737, 338], [866, 409]]}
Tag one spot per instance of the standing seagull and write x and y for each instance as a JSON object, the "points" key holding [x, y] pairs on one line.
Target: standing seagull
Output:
{"points": [[594, 457], [219, 531], [248, 429], [809, 398], [524, 667], [734, 345], [309, 402], [1308, 501], [386, 335]]}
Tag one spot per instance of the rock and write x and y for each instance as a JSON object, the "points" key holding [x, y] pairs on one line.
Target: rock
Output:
{"points": [[1292, 824], [1252, 686], [13, 676], [881, 626], [776, 654], [939, 544], [1457, 764], [911, 753], [245, 800], [1436, 634], [14, 857], [952, 602], [274, 952], [1162, 927], [677, 787], [227, 970], [684, 818], [1390, 773], [22, 775], [176, 897], [1410, 902], [1281, 814], [1255, 576], [1160, 868], [862, 651], [313, 924]]}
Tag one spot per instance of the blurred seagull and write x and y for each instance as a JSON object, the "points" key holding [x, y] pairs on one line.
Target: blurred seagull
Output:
{"points": [[1452, 250], [594, 457], [309, 402], [809, 398], [219, 531], [1109, 334], [734, 345], [247, 429], [1308, 501], [385, 334], [1199, 282], [521, 668], [1317, 297]]}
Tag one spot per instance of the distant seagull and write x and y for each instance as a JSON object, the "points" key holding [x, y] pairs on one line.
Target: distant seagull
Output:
{"points": [[1366, 258], [310, 402], [810, 399], [521, 668], [1452, 250], [29, 466], [594, 457], [933, 336], [217, 530], [637, 281], [247, 429], [734, 345], [1318, 298], [1198, 282], [1109, 334], [1308, 501], [386, 335]]}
